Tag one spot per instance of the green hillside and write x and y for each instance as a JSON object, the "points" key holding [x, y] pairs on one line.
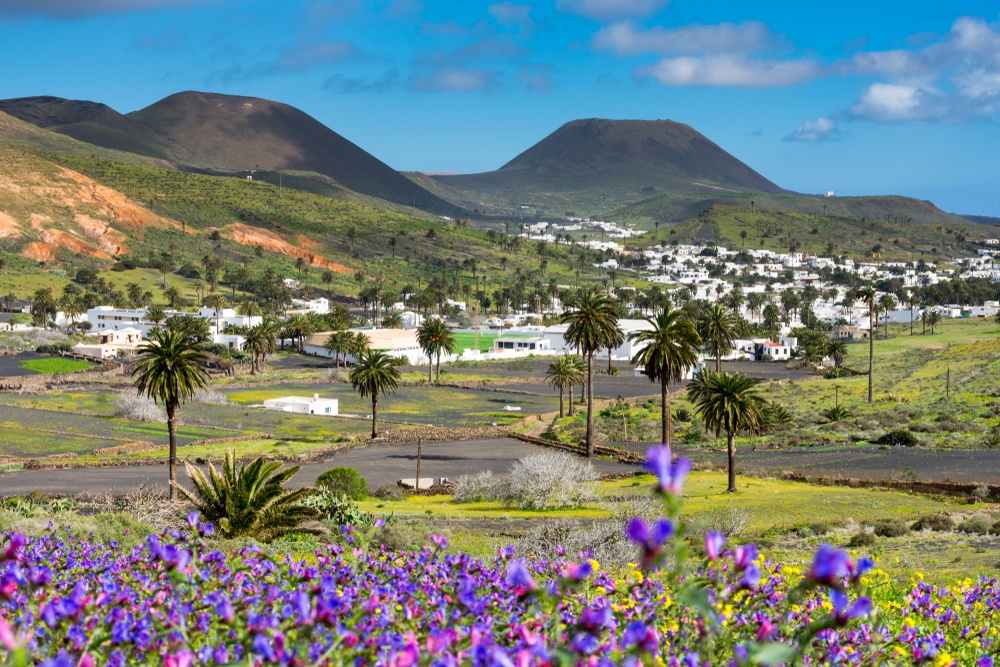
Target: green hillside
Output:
{"points": [[891, 227], [254, 224]]}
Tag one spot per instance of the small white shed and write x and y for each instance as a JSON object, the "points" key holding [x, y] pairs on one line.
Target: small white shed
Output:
{"points": [[303, 405]]}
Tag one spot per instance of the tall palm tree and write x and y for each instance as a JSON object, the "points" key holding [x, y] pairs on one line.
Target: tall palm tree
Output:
{"points": [[216, 302], [250, 501], [156, 314], [434, 337], [374, 375], [170, 368], [887, 303], [730, 403], [261, 341], [718, 329], [867, 295], [593, 321], [248, 308], [43, 305], [836, 349], [671, 347], [580, 378], [563, 374]]}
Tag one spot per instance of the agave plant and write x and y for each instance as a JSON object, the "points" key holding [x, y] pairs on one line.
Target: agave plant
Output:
{"points": [[837, 413], [250, 501]]}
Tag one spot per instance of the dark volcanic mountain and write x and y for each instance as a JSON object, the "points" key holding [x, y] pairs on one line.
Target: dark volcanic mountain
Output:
{"points": [[92, 122], [227, 134], [620, 155]]}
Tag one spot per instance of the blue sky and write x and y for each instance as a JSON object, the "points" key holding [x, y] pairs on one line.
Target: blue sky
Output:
{"points": [[856, 97]]}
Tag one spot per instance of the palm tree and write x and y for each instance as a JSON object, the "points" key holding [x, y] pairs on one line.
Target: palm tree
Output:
{"points": [[867, 295], [616, 338], [671, 347], [933, 319], [593, 321], [434, 337], [250, 501], [887, 303], [156, 314], [43, 304], [836, 349], [261, 341], [172, 295], [298, 326], [374, 375], [216, 302], [248, 308], [393, 321], [170, 368], [580, 378], [562, 374], [729, 402], [718, 329]]}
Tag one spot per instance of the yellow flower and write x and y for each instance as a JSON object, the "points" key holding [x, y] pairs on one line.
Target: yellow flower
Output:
{"points": [[594, 564], [944, 660]]}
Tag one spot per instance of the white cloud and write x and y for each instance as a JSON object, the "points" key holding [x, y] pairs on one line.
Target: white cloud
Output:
{"points": [[455, 80], [307, 56], [894, 103], [510, 14], [624, 39], [815, 131], [730, 70], [896, 62], [611, 9]]}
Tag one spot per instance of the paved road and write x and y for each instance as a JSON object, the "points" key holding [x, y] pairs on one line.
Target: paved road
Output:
{"points": [[379, 464]]}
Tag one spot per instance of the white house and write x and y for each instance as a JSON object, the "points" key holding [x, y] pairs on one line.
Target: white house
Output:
{"points": [[516, 344], [110, 344], [319, 305], [394, 342], [303, 405]]}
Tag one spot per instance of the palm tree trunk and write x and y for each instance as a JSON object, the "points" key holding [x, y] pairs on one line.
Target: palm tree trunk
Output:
{"points": [[172, 460], [374, 416], [430, 368], [571, 411], [561, 402], [590, 405], [665, 409], [609, 362], [731, 450], [718, 358], [437, 377], [871, 351]]}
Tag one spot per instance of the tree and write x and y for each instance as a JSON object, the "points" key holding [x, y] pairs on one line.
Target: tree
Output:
{"points": [[593, 321], [43, 306], [156, 314], [250, 501], [563, 374], [172, 295], [933, 319], [887, 304], [393, 321], [670, 348], [170, 368], [216, 302], [260, 341], [434, 337], [374, 375], [338, 343], [718, 329], [867, 295], [836, 349], [580, 367], [730, 403]]}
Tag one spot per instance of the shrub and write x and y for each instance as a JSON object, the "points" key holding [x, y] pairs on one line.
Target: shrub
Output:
{"points": [[604, 541], [54, 348], [862, 539], [138, 408], [389, 492], [400, 536], [344, 481], [476, 488], [897, 438], [938, 522], [820, 529], [976, 526], [730, 520], [836, 414], [995, 528], [209, 395], [550, 479], [338, 509], [891, 528]]}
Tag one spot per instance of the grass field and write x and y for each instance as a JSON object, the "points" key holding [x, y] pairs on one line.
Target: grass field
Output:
{"points": [[55, 365]]}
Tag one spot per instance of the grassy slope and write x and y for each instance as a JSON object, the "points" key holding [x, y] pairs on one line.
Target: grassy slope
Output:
{"points": [[905, 228]]}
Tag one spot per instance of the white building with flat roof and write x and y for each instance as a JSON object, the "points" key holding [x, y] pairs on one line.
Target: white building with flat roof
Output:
{"points": [[303, 405]]}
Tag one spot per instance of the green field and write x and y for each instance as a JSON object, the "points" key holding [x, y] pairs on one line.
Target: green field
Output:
{"points": [[467, 341], [55, 365]]}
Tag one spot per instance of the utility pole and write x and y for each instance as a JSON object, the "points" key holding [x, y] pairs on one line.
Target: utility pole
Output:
{"points": [[947, 385], [420, 447]]}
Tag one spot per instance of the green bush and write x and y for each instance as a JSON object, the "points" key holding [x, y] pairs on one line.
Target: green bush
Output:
{"points": [[938, 522], [898, 438], [338, 509], [346, 481], [976, 526], [891, 528], [862, 539], [820, 529], [995, 530]]}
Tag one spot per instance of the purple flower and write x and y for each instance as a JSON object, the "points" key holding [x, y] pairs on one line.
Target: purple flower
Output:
{"points": [[751, 577], [595, 618], [843, 612], [440, 541], [669, 475], [16, 544], [520, 578], [829, 566], [744, 555], [713, 545], [858, 570], [650, 538], [985, 661], [577, 572]]}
